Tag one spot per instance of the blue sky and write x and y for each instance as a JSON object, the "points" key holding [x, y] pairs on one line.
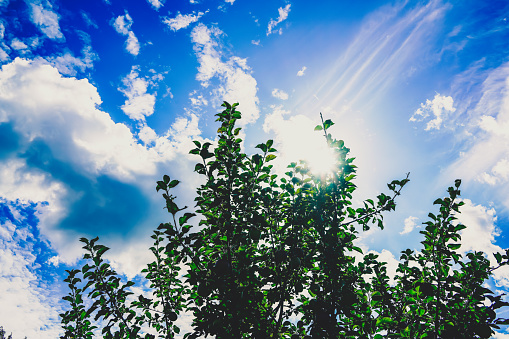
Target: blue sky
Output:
{"points": [[99, 99]]}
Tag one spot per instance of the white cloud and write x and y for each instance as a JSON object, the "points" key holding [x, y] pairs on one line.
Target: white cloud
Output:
{"points": [[230, 1], [156, 3], [29, 307], [18, 44], [3, 55], [485, 155], [122, 25], [236, 84], [480, 235], [283, 15], [439, 107], [61, 114], [301, 72], [409, 225], [255, 42], [47, 21], [68, 64], [182, 21], [280, 94], [88, 20], [139, 103]]}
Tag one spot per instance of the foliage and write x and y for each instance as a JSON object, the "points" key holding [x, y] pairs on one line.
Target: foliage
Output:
{"points": [[3, 334], [274, 257]]}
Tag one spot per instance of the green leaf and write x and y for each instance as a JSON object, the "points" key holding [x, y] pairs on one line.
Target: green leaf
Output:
{"points": [[454, 246], [328, 123], [270, 157]]}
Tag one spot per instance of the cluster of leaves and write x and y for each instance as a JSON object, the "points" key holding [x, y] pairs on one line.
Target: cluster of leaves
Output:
{"points": [[3, 334], [274, 257]]}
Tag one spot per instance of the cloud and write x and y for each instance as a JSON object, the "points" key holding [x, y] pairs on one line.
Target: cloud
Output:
{"points": [[283, 15], [280, 94], [18, 44], [95, 175], [139, 103], [439, 107], [30, 299], [182, 21], [156, 3], [390, 41], [480, 235], [68, 64], [46, 20], [301, 72], [409, 225], [122, 25], [484, 122], [236, 84], [88, 20]]}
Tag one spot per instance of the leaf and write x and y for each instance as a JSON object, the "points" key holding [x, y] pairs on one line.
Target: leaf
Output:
{"points": [[318, 128], [328, 123], [454, 247], [270, 157], [173, 183]]}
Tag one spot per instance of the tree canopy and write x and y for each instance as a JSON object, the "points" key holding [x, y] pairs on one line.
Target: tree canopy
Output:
{"points": [[274, 256]]}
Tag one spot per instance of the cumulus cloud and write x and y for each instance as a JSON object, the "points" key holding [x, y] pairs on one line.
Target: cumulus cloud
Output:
{"points": [[236, 84], [280, 94], [139, 103], [301, 72], [283, 15], [409, 225], [182, 21], [46, 20], [480, 235], [438, 107], [58, 147], [122, 25], [156, 3]]}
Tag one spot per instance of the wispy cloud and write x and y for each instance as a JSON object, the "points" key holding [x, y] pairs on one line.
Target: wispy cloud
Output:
{"points": [[483, 126], [47, 20], [283, 15], [182, 21], [122, 25], [381, 54]]}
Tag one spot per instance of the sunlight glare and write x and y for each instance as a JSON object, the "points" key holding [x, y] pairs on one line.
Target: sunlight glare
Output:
{"points": [[300, 142]]}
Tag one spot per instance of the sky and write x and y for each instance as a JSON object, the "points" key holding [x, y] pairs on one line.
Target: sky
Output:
{"points": [[99, 99]]}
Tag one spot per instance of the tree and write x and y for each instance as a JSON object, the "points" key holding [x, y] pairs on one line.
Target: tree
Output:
{"points": [[3, 334], [273, 257]]}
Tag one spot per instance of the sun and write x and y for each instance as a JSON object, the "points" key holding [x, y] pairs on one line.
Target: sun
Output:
{"points": [[300, 142]]}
